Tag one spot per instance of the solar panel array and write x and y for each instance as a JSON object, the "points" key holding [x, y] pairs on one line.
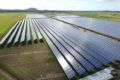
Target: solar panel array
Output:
{"points": [[107, 28], [35, 16], [77, 51], [23, 31]]}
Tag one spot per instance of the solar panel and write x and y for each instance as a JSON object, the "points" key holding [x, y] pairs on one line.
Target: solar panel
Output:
{"points": [[23, 34], [91, 41], [37, 31], [64, 64], [35, 16], [67, 39], [108, 28], [33, 31], [8, 34], [97, 51], [85, 55], [78, 68], [22, 30], [66, 16], [84, 51], [88, 50], [104, 74], [28, 30], [19, 32], [79, 57], [14, 33]]}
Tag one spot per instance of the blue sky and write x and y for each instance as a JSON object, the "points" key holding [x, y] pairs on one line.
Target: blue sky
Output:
{"points": [[61, 4]]}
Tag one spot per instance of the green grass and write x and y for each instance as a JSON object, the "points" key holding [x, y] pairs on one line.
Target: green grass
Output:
{"points": [[113, 16], [2, 77], [29, 62], [9, 19]]}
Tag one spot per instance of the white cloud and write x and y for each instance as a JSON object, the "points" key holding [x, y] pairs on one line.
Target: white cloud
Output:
{"points": [[60, 4], [68, 5], [43, 4]]}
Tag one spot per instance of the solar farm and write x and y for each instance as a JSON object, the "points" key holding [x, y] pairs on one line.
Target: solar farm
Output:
{"points": [[76, 48]]}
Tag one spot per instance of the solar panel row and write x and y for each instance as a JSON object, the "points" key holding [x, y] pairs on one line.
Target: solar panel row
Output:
{"points": [[35, 16], [34, 37], [12, 36], [90, 38], [83, 51], [70, 73], [75, 54], [106, 28], [28, 31], [80, 50], [82, 55], [37, 31], [8, 34], [21, 32]]}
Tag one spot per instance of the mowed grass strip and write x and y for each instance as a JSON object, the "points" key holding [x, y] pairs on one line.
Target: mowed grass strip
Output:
{"points": [[9, 19], [113, 16]]}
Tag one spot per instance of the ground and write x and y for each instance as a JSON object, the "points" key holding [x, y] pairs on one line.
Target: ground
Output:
{"points": [[113, 16], [29, 62]]}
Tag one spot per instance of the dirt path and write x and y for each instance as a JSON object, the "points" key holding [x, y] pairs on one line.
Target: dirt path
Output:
{"points": [[24, 53], [29, 62], [6, 75]]}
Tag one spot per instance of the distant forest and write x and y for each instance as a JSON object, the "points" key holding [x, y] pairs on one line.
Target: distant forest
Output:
{"points": [[43, 11]]}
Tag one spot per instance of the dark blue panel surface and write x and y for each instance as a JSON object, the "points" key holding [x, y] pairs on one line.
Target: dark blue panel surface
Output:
{"points": [[83, 53], [36, 30], [90, 42], [8, 34], [23, 32], [34, 37], [14, 33], [106, 27], [97, 43], [62, 61], [28, 30], [19, 32], [80, 57], [78, 68]]}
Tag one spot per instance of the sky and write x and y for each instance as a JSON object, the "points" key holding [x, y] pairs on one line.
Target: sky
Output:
{"points": [[61, 4]]}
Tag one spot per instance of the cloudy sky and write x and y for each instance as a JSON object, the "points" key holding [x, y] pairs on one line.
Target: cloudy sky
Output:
{"points": [[61, 4]]}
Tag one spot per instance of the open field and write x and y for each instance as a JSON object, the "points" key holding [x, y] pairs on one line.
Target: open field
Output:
{"points": [[30, 62], [114, 16], [8, 19]]}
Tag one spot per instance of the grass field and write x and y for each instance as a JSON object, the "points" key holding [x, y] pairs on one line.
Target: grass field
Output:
{"points": [[31, 62], [113, 16], [8, 19]]}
